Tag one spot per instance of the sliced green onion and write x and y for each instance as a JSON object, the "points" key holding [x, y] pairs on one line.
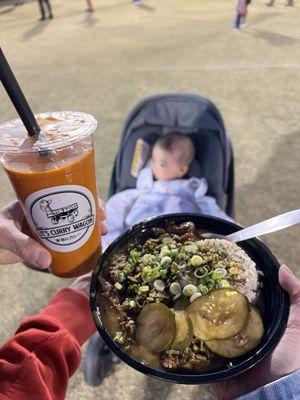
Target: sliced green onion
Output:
{"points": [[218, 274], [132, 303], [128, 268], [165, 251], [191, 248], [175, 288], [132, 287], [154, 274], [203, 289], [147, 259], [119, 337], [166, 238], [144, 288], [138, 303], [182, 265], [180, 256], [163, 273], [145, 272], [159, 285], [195, 296], [174, 253], [201, 272], [196, 261], [174, 298], [189, 290], [121, 277], [165, 261], [224, 283], [118, 286], [135, 255]]}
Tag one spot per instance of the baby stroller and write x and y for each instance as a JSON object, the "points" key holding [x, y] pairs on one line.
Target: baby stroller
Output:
{"points": [[154, 116]]}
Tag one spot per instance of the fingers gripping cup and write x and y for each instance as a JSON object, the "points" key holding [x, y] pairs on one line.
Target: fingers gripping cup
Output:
{"points": [[54, 179]]}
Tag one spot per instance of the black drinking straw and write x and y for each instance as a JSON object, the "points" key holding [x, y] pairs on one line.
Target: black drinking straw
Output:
{"points": [[17, 97]]}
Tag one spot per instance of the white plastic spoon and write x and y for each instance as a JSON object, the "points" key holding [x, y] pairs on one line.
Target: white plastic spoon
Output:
{"points": [[274, 224]]}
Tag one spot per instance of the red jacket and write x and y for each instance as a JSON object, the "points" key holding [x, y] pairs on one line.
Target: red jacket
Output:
{"points": [[37, 362]]}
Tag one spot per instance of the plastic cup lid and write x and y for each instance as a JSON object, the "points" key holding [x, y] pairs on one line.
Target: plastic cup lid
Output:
{"points": [[58, 129]]}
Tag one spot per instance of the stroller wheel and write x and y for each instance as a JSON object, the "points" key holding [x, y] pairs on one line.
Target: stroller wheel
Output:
{"points": [[98, 361]]}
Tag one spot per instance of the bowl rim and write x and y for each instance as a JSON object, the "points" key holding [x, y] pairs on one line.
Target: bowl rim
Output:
{"points": [[204, 377]]}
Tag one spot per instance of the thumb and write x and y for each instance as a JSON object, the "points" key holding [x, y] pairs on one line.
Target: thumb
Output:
{"points": [[290, 283], [25, 247]]}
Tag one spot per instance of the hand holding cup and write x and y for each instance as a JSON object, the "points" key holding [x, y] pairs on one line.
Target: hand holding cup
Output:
{"points": [[15, 243]]}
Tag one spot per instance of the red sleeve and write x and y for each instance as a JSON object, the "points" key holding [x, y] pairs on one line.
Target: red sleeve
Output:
{"points": [[45, 351]]}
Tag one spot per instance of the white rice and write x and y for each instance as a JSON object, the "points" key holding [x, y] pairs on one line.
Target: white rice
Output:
{"points": [[247, 282]]}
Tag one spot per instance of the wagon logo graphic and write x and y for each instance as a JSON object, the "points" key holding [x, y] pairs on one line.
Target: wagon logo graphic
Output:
{"points": [[69, 212], [64, 220]]}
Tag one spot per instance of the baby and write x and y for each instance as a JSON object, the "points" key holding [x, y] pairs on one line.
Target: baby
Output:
{"points": [[161, 188], [172, 155]]}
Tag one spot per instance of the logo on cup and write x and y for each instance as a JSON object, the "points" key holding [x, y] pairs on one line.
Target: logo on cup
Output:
{"points": [[63, 219]]}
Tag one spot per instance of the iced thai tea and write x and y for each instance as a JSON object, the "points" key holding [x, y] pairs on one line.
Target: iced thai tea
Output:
{"points": [[54, 178]]}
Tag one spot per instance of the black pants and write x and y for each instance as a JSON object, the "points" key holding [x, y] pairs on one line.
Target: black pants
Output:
{"points": [[41, 2]]}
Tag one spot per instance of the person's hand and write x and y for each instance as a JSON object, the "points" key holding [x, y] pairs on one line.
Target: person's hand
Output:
{"points": [[16, 245], [282, 361]]}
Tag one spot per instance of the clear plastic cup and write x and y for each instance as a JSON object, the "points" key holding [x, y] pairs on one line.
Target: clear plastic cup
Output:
{"points": [[54, 179]]}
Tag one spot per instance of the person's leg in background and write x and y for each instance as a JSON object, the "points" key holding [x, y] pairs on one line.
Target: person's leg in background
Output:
{"points": [[43, 17], [90, 7], [244, 18], [50, 15], [271, 3], [238, 21]]}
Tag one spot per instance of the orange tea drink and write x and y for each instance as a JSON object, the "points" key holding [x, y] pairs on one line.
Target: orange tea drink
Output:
{"points": [[54, 179]]}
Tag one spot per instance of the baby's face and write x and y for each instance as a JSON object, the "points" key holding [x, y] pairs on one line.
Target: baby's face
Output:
{"points": [[164, 165]]}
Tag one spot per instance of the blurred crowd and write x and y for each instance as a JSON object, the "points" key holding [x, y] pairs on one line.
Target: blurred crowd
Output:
{"points": [[242, 11], [46, 8]]}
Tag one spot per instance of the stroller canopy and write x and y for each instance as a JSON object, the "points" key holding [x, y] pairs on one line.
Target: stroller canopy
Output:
{"points": [[189, 114]]}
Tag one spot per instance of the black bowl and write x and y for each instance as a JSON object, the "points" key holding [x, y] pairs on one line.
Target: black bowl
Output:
{"points": [[275, 300]]}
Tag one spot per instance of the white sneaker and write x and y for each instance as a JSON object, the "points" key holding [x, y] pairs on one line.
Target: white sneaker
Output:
{"points": [[243, 25]]}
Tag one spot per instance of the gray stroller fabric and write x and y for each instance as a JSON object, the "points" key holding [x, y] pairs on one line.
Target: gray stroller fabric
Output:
{"points": [[189, 114]]}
